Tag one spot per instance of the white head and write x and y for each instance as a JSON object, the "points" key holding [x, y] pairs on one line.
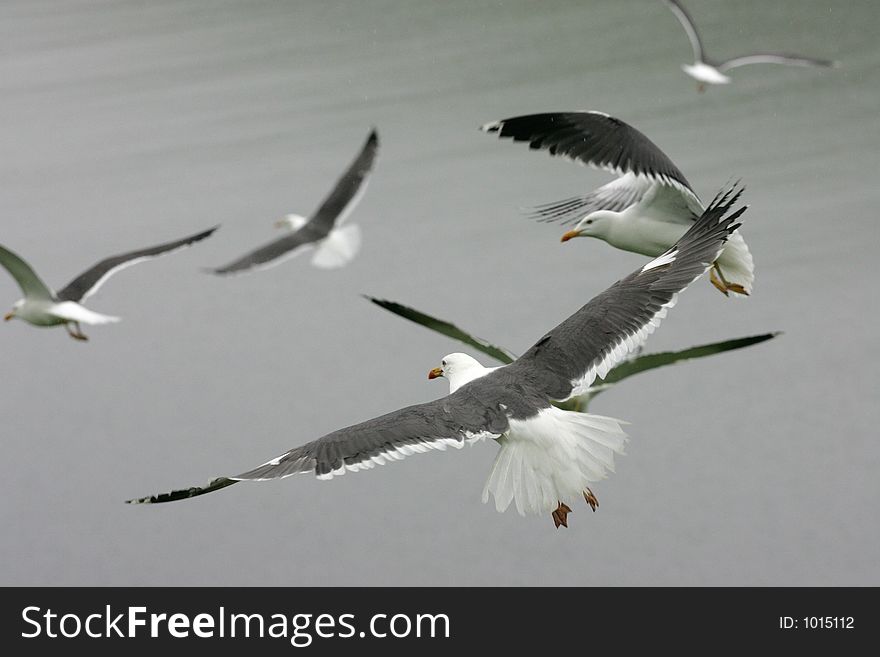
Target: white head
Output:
{"points": [[291, 221], [596, 224], [459, 369], [13, 313]]}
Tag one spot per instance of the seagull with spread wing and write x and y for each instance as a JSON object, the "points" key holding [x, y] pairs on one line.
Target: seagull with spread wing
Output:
{"points": [[41, 306], [708, 71], [645, 210], [548, 456], [336, 245]]}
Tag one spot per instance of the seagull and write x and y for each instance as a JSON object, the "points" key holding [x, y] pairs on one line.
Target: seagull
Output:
{"points": [[336, 246], [707, 71], [645, 210], [41, 306], [548, 457]]}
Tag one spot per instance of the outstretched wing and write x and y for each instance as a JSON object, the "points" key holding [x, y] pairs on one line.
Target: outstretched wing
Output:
{"points": [[774, 58], [27, 279], [90, 280], [453, 421], [597, 140], [616, 196], [348, 190], [273, 253], [689, 26], [566, 361]]}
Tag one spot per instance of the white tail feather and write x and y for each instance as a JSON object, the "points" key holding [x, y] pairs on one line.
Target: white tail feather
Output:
{"points": [[338, 248], [736, 263], [552, 458]]}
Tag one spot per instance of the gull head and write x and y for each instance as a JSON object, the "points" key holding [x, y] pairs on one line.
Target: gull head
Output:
{"points": [[458, 369], [291, 221], [13, 313], [595, 224]]}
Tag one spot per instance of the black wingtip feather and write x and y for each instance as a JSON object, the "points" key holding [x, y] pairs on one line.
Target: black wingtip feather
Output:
{"points": [[204, 234]]}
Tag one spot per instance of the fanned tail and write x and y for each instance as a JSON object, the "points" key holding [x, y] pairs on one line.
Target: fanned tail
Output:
{"points": [[338, 248], [552, 458], [737, 265]]}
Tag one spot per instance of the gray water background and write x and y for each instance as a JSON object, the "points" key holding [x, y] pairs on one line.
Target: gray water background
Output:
{"points": [[127, 123]]}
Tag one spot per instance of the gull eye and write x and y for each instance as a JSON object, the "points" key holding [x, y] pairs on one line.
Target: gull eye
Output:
{"points": [[589, 221], [443, 363]]}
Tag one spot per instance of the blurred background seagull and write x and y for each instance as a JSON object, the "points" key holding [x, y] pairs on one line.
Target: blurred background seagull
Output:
{"points": [[43, 307], [707, 71], [548, 456], [336, 245], [645, 210]]}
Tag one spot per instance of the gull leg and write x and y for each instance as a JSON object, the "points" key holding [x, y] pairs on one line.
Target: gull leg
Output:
{"points": [[560, 515], [717, 280], [591, 499], [76, 334], [721, 282]]}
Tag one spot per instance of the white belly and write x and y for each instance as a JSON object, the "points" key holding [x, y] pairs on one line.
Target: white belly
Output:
{"points": [[43, 312], [705, 73], [645, 236], [38, 313]]}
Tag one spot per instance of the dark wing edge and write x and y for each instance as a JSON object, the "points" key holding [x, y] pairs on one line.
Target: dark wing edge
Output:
{"points": [[90, 280], [348, 190], [617, 321], [444, 328], [595, 139], [184, 493]]}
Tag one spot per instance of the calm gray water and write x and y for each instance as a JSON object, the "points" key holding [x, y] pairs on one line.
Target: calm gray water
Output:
{"points": [[127, 123]]}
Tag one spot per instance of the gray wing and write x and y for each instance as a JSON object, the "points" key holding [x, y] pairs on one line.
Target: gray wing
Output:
{"points": [[565, 362], [616, 196], [348, 190], [594, 139], [774, 58], [453, 420], [28, 280], [273, 253], [90, 280], [689, 26]]}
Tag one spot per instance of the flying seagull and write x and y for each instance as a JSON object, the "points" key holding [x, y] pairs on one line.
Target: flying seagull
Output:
{"points": [[548, 457], [645, 210], [708, 71], [41, 306], [336, 245]]}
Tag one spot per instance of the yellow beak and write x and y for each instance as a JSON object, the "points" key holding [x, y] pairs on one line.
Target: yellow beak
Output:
{"points": [[8, 316], [570, 234], [435, 373]]}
